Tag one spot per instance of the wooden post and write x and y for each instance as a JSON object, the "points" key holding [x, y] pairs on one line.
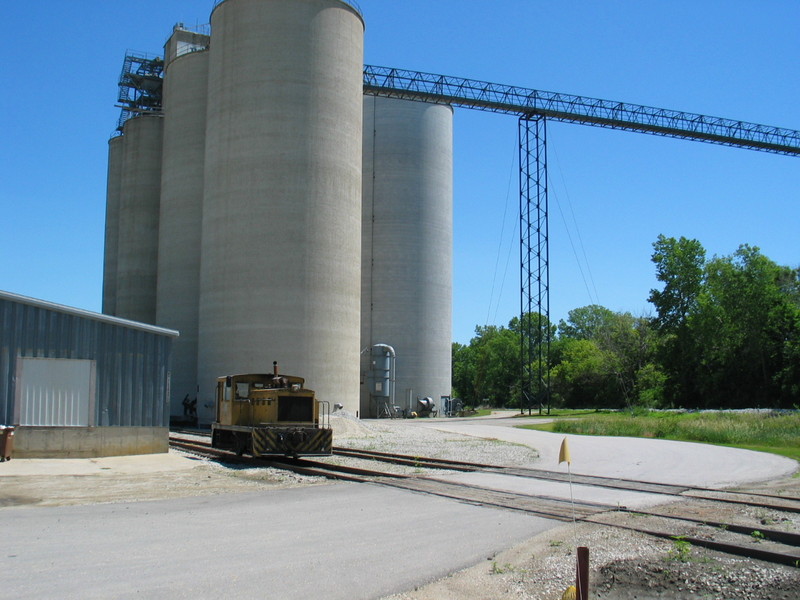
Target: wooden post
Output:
{"points": [[582, 575]]}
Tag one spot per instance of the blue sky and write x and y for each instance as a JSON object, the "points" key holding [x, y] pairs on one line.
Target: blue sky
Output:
{"points": [[611, 193]]}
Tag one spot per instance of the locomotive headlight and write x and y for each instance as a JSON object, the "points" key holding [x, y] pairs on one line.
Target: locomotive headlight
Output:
{"points": [[295, 387]]}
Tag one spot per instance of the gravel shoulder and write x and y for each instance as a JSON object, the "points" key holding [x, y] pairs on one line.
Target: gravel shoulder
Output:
{"points": [[624, 565]]}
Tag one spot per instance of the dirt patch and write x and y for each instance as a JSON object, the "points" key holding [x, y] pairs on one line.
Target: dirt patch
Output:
{"points": [[705, 576], [204, 479]]}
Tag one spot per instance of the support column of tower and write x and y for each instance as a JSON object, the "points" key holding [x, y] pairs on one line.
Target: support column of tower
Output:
{"points": [[534, 264]]}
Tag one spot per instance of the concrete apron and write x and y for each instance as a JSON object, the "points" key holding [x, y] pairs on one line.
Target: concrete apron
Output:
{"points": [[665, 461]]}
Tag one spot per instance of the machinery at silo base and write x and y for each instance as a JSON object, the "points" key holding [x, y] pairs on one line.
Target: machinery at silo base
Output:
{"points": [[270, 414], [425, 408]]}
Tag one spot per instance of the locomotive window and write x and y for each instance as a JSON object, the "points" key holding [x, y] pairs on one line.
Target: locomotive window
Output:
{"points": [[242, 390], [296, 408]]}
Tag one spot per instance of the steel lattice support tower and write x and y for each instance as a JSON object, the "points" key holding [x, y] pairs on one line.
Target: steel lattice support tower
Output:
{"points": [[534, 264]]}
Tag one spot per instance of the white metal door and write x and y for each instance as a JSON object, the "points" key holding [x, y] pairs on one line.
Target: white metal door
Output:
{"points": [[56, 392]]}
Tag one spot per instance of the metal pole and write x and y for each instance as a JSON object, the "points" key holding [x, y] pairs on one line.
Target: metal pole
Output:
{"points": [[582, 574]]}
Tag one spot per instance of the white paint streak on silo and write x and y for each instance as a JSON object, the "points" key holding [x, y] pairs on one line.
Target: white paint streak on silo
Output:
{"points": [[281, 258], [115, 145], [180, 222], [138, 219], [407, 246]]}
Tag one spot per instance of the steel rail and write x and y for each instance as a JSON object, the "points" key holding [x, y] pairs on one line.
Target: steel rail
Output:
{"points": [[789, 557], [494, 97], [650, 487], [407, 460], [782, 537]]}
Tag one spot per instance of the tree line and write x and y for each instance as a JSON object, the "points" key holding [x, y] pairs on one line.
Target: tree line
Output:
{"points": [[725, 334]]}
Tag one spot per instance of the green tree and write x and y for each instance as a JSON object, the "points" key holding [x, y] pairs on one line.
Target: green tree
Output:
{"points": [[584, 376], [487, 371], [747, 318], [586, 323], [626, 345], [680, 267], [463, 369], [729, 327]]}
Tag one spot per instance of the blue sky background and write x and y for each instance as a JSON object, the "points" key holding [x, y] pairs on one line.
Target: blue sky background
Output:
{"points": [[612, 192]]}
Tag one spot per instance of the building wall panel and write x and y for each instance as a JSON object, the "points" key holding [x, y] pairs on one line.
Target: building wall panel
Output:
{"points": [[132, 361]]}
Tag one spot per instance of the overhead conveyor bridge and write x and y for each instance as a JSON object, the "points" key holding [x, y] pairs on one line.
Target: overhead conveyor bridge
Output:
{"points": [[494, 97]]}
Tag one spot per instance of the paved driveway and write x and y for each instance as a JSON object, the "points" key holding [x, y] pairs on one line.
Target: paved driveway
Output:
{"points": [[665, 461], [345, 541]]}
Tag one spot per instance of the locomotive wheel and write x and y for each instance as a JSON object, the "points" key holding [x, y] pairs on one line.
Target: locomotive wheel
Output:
{"points": [[239, 444]]}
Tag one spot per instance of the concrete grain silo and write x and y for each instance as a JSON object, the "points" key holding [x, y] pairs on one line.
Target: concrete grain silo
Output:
{"points": [[281, 259], [140, 190], [115, 145], [407, 249], [181, 212]]}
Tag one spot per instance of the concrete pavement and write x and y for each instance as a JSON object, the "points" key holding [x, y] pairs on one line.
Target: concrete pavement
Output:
{"points": [[681, 463], [344, 541]]}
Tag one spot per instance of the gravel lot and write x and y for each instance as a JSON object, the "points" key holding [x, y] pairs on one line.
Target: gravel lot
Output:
{"points": [[624, 565]]}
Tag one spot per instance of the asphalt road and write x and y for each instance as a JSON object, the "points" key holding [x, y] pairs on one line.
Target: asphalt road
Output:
{"points": [[345, 541]]}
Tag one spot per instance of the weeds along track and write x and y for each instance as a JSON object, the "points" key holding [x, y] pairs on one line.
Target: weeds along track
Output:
{"points": [[712, 524]]}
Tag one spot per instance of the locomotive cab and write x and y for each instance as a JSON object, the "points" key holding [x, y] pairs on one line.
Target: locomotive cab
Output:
{"points": [[270, 415]]}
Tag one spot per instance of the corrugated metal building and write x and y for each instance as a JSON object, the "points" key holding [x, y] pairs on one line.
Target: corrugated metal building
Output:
{"points": [[81, 384]]}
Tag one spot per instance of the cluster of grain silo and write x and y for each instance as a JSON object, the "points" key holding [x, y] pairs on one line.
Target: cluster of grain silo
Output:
{"points": [[235, 211]]}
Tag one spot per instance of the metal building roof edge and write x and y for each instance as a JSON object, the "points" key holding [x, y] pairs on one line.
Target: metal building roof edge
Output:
{"points": [[80, 312]]}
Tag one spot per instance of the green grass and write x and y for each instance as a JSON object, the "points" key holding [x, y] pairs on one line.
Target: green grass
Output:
{"points": [[764, 432], [481, 412], [560, 413]]}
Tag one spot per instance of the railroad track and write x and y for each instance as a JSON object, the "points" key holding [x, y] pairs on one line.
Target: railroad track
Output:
{"points": [[766, 501], [544, 506], [762, 543]]}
